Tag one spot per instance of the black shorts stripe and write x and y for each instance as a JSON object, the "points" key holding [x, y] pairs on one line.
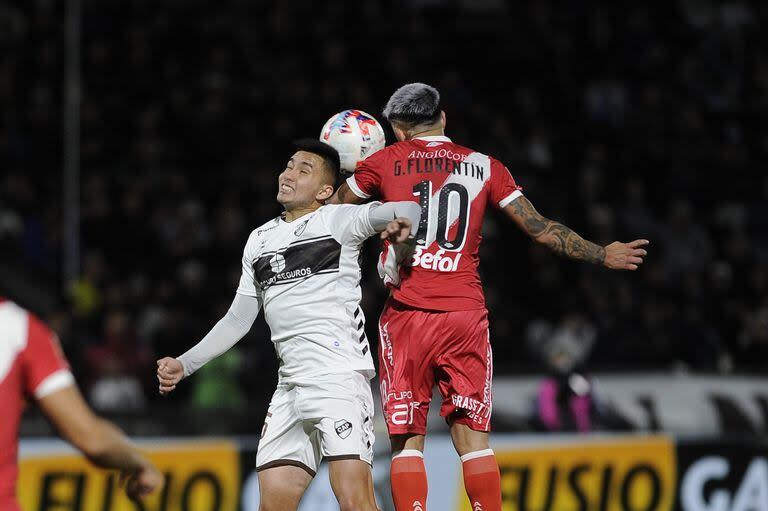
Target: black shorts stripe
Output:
{"points": [[286, 463], [342, 457]]}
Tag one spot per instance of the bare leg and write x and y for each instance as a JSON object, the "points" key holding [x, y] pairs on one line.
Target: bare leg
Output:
{"points": [[281, 488], [352, 484], [479, 467], [467, 440], [407, 474], [407, 441]]}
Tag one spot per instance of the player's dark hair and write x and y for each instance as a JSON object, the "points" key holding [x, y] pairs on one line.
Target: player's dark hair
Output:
{"points": [[327, 152], [413, 104]]}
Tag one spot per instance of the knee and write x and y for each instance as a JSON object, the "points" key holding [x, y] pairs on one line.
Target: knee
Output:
{"points": [[355, 503], [466, 446], [277, 504], [406, 441], [274, 506], [466, 440]]}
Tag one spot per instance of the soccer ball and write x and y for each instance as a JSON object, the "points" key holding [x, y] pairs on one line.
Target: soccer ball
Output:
{"points": [[355, 135]]}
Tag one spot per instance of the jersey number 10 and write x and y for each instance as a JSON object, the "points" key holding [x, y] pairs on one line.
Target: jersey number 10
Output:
{"points": [[448, 193]]}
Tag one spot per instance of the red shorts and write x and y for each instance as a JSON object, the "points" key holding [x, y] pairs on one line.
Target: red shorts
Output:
{"points": [[420, 348]]}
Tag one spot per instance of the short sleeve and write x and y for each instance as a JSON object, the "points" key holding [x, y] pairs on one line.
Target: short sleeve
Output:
{"points": [[366, 181], [349, 224], [502, 186], [247, 284], [44, 366]]}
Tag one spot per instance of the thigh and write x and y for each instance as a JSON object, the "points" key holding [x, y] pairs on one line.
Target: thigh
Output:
{"points": [[281, 488], [406, 367], [342, 416], [465, 370], [285, 440], [352, 484]]}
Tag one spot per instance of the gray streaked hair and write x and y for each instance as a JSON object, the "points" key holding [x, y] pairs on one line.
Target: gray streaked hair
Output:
{"points": [[413, 104]]}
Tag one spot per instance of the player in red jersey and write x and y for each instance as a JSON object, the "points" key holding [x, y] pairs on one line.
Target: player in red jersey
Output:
{"points": [[32, 366], [434, 327]]}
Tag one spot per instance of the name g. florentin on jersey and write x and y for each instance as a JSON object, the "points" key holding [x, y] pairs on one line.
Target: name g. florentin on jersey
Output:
{"points": [[437, 161]]}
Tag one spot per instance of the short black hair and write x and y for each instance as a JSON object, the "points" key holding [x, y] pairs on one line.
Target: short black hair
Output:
{"points": [[327, 152], [413, 104]]}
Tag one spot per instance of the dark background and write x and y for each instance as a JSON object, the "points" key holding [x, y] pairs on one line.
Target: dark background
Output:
{"points": [[621, 119]]}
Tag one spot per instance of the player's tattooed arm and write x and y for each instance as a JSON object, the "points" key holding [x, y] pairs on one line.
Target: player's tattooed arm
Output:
{"points": [[345, 195], [559, 238], [564, 241]]}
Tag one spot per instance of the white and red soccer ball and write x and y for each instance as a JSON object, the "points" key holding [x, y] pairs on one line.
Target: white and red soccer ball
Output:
{"points": [[355, 135]]}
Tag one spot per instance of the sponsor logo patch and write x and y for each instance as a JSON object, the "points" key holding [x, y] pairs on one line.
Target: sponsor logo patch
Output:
{"points": [[300, 229]]}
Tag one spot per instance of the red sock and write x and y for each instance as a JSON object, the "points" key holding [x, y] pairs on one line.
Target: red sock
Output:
{"points": [[482, 480], [409, 481]]}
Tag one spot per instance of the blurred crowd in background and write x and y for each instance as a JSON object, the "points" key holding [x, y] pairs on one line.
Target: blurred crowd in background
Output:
{"points": [[621, 119]]}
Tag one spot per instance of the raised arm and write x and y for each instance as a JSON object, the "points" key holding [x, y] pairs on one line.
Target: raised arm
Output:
{"points": [[562, 240], [225, 334], [394, 220]]}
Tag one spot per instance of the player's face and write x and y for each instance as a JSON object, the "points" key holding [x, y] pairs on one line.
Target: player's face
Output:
{"points": [[303, 181]]}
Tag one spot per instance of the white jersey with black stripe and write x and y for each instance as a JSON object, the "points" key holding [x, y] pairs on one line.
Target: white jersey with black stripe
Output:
{"points": [[306, 274]]}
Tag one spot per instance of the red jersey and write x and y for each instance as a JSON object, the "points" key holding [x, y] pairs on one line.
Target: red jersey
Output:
{"points": [[31, 366], [453, 185]]}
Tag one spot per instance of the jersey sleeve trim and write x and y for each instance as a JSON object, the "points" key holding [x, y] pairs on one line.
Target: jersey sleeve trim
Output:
{"points": [[367, 218], [509, 198], [352, 183], [54, 382]]}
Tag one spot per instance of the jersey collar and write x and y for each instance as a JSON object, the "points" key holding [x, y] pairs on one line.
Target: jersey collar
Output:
{"points": [[436, 138], [307, 216]]}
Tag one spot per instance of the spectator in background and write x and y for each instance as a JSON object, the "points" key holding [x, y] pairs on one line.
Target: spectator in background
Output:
{"points": [[119, 367], [568, 399]]}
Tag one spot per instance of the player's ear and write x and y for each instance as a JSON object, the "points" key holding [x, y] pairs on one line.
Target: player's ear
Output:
{"points": [[442, 119], [325, 193]]}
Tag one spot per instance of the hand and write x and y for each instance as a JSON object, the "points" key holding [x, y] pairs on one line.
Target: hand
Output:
{"points": [[169, 373], [142, 482], [397, 230], [625, 256]]}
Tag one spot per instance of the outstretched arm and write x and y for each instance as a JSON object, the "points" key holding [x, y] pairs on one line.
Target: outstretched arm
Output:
{"points": [[562, 240], [100, 440], [225, 334], [394, 220]]}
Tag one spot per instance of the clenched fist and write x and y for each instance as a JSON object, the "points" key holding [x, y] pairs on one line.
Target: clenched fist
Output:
{"points": [[169, 373]]}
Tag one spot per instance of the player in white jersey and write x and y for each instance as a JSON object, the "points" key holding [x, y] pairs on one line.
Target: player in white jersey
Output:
{"points": [[302, 268]]}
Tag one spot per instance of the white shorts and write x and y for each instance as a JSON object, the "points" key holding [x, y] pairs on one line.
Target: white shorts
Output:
{"points": [[331, 418]]}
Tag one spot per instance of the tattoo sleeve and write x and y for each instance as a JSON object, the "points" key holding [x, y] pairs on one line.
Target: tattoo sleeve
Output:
{"points": [[559, 238]]}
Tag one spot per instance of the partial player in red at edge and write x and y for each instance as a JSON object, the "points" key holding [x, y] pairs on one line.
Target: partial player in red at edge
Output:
{"points": [[33, 367]]}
